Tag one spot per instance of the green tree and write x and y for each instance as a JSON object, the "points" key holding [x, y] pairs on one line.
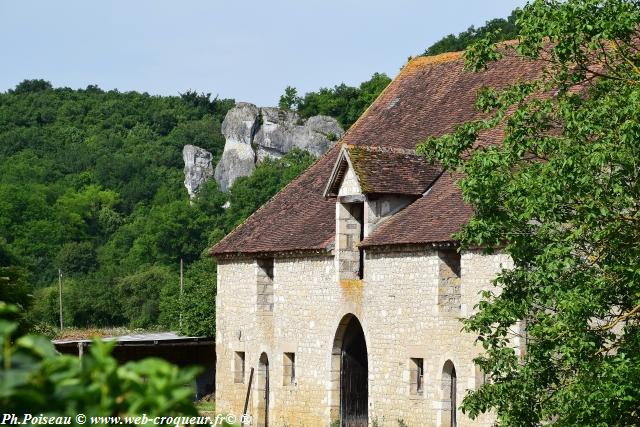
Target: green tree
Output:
{"points": [[495, 30], [194, 312], [76, 257], [290, 99], [28, 86], [345, 103], [139, 295], [560, 195], [14, 286]]}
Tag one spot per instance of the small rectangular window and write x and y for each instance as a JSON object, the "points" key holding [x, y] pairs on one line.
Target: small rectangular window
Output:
{"points": [[417, 376], [289, 368], [238, 367]]}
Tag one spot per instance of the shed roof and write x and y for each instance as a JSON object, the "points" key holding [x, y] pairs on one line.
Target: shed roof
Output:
{"points": [[139, 339]]}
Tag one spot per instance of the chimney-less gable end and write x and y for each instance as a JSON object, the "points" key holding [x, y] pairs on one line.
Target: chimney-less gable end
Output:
{"points": [[341, 169]]}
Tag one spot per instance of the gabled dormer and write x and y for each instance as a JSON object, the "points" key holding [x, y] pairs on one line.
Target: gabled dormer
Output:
{"points": [[370, 184], [350, 217], [343, 181]]}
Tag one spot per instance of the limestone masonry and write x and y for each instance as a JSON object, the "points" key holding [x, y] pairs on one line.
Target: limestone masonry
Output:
{"points": [[339, 301]]}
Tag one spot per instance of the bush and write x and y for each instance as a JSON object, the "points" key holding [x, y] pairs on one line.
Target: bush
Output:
{"points": [[37, 380], [194, 314]]}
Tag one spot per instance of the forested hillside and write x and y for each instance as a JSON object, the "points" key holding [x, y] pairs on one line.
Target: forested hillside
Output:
{"points": [[91, 184]]}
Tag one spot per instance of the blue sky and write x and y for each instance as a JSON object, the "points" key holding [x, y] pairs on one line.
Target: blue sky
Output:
{"points": [[247, 50]]}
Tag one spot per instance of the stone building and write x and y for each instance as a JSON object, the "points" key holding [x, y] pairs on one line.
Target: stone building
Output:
{"points": [[339, 300]]}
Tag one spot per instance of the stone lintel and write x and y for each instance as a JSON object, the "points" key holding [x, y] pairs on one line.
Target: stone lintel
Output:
{"points": [[352, 198]]}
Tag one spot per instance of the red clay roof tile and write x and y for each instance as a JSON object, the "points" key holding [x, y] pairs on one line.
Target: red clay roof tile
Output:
{"points": [[429, 97]]}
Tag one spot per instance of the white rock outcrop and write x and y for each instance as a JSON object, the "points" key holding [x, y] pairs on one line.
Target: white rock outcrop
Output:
{"points": [[197, 168], [253, 134], [238, 158], [282, 131]]}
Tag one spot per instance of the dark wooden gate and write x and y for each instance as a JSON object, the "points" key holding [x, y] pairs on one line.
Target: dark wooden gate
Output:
{"points": [[353, 382], [354, 396]]}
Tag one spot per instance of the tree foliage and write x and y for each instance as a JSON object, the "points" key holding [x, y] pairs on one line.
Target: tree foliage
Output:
{"points": [[91, 183], [495, 30], [560, 194], [290, 99], [343, 102], [15, 288], [35, 379]]}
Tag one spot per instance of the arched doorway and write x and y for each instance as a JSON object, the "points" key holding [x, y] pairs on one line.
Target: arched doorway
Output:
{"points": [[350, 369], [449, 399], [262, 391]]}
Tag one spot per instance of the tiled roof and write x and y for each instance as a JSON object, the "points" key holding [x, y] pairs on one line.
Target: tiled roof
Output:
{"points": [[297, 218], [428, 98], [430, 219], [387, 170]]}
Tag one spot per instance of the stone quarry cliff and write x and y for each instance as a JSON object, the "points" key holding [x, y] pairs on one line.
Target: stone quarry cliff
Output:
{"points": [[253, 134]]}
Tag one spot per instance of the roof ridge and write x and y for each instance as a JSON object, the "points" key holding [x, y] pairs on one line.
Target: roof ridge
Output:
{"points": [[422, 61], [382, 149]]}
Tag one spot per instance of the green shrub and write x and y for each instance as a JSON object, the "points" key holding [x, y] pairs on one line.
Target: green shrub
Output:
{"points": [[35, 379]]}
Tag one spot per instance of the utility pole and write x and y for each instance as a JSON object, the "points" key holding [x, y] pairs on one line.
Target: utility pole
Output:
{"points": [[60, 296], [181, 290]]}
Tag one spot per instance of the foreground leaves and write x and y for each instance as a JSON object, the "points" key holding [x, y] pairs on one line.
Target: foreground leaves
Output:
{"points": [[561, 196], [35, 379]]}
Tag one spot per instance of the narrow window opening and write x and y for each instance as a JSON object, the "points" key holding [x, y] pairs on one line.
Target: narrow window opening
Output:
{"points": [[289, 369], [265, 285], [238, 367], [449, 395], [417, 376], [481, 377]]}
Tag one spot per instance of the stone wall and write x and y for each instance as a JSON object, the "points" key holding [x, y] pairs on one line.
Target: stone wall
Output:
{"points": [[397, 305], [449, 291]]}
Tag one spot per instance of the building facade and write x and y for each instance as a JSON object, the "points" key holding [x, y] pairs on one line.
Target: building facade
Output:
{"points": [[339, 301]]}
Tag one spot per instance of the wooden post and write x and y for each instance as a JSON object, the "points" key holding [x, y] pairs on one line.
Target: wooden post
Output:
{"points": [[246, 399], [181, 278], [60, 296], [181, 290]]}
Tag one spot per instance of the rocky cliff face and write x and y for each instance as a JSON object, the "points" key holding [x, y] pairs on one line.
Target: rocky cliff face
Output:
{"points": [[197, 167], [253, 134], [238, 158]]}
